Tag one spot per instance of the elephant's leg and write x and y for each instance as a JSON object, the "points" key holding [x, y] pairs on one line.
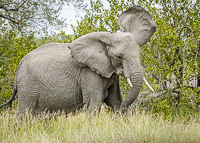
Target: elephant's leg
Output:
{"points": [[26, 104], [27, 98], [95, 103], [114, 98], [92, 97], [92, 86]]}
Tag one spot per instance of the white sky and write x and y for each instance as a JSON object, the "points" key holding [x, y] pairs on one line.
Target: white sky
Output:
{"points": [[68, 12]]}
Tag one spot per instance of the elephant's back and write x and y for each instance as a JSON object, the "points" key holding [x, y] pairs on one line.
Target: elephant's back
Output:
{"points": [[46, 57], [51, 50], [47, 52]]}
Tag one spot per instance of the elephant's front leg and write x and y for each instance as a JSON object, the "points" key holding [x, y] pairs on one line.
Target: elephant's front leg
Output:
{"points": [[114, 98], [93, 89]]}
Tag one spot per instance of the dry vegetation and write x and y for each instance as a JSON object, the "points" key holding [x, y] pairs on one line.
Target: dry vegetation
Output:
{"points": [[105, 127]]}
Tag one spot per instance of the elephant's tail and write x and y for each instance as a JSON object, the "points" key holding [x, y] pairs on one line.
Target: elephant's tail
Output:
{"points": [[12, 96]]}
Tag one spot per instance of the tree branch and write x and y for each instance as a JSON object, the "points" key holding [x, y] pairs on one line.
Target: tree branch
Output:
{"points": [[188, 13], [10, 19], [13, 9]]}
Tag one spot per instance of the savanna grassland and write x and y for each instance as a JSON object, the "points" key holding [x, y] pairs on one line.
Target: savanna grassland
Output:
{"points": [[105, 127]]}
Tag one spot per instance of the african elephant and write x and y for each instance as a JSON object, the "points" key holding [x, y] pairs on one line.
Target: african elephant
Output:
{"points": [[61, 76]]}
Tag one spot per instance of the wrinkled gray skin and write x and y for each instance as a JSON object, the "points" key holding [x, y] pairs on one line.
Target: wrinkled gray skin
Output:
{"points": [[66, 77]]}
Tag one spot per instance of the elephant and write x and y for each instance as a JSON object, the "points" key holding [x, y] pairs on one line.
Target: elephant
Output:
{"points": [[69, 76]]}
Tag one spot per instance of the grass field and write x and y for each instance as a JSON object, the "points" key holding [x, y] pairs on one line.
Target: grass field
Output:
{"points": [[105, 127]]}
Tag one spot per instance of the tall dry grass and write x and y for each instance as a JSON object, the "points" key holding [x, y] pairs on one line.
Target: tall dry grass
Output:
{"points": [[105, 127]]}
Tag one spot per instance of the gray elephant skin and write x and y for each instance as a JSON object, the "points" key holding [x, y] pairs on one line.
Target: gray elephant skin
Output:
{"points": [[61, 76]]}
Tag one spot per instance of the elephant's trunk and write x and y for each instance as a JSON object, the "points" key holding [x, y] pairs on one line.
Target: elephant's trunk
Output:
{"points": [[133, 71]]}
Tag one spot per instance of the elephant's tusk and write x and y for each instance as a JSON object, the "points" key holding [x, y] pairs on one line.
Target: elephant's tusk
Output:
{"points": [[129, 82], [148, 85]]}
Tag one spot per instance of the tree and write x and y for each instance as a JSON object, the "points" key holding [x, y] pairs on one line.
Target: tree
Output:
{"points": [[30, 15], [172, 53]]}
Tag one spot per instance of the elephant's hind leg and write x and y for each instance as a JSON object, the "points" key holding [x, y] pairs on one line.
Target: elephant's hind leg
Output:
{"points": [[27, 99], [26, 105]]}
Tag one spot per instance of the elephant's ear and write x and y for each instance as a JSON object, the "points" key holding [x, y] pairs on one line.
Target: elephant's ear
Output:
{"points": [[90, 50], [139, 22]]}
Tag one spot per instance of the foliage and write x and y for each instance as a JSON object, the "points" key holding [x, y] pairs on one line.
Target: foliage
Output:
{"points": [[30, 15], [13, 48], [171, 58], [79, 5]]}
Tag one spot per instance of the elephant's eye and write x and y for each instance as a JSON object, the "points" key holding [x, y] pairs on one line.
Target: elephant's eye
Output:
{"points": [[119, 57]]}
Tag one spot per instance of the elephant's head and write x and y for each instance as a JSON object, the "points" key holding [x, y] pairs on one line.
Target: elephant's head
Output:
{"points": [[107, 53]]}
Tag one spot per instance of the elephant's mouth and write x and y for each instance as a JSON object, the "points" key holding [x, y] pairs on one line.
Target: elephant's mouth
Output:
{"points": [[120, 70], [129, 81]]}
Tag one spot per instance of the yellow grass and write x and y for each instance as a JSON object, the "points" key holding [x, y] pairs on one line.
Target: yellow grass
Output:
{"points": [[105, 127]]}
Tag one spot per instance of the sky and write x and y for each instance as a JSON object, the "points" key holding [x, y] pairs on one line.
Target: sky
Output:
{"points": [[68, 12]]}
